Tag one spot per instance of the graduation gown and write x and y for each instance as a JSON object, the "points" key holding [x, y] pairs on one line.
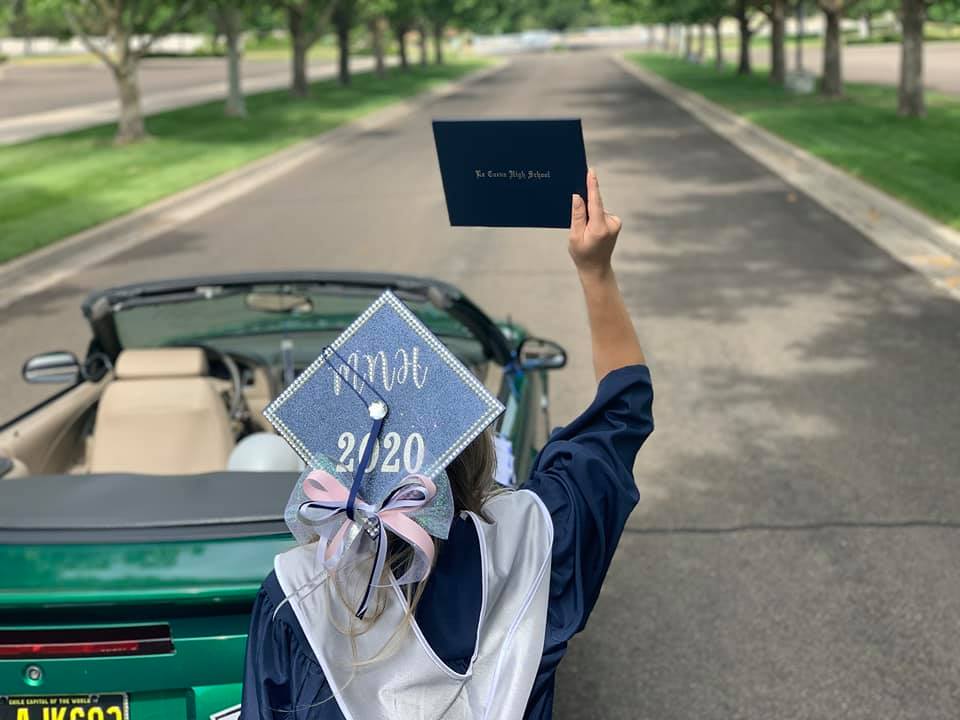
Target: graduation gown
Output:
{"points": [[584, 478]]}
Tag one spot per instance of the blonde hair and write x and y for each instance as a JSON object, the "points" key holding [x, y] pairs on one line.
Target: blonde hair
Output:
{"points": [[472, 483]]}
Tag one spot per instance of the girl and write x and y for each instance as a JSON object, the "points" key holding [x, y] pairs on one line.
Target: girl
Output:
{"points": [[517, 577]]}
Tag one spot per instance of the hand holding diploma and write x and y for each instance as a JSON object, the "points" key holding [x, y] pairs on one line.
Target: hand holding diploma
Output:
{"points": [[593, 236], [593, 231]]}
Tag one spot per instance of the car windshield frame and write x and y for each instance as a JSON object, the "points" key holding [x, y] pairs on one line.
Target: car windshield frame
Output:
{"points": [[103, 307]]}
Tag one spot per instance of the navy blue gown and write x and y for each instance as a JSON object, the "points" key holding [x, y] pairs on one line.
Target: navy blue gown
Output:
{"points": [[584, 475]]}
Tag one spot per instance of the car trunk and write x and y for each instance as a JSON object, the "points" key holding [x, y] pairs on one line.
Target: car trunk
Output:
{"points": [[134, 588]]}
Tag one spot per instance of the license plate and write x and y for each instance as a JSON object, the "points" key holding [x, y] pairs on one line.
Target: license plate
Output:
{"points": [[104, 706]]}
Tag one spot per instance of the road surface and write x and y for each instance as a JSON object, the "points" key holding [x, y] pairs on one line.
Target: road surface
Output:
{"points": [[795, 553]]}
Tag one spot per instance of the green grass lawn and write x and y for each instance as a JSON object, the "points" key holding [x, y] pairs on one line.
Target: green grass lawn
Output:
{"points": [[57, 186], [915, 159], [732, 42]]}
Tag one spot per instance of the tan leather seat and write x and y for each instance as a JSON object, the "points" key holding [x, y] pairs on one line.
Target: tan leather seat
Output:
{"points": [[161, 415]]}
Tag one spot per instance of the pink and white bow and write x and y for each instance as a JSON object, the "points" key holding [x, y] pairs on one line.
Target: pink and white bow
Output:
{"points": [[340, 536]]}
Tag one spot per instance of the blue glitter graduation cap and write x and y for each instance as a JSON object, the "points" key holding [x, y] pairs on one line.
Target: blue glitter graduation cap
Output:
{"points": [[377, 417]]}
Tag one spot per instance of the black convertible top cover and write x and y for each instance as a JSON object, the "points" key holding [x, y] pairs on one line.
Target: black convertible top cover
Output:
{"points": [[143, 508]]}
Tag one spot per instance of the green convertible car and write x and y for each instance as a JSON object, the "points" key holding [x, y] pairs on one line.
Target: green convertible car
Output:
{"points": [[135, 522]]}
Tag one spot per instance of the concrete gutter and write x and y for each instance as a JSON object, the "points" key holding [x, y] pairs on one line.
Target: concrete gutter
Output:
{"points": [[920, 242], [52, 264]]}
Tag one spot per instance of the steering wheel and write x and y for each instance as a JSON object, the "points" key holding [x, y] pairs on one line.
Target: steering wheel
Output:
{"points": [[237, 402]]}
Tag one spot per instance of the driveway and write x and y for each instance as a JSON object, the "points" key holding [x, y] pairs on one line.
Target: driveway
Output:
{"points": [[795, 553]]}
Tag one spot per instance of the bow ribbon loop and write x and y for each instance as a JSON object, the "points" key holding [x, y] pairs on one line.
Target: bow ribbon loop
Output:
{"points": [[341, 519]]}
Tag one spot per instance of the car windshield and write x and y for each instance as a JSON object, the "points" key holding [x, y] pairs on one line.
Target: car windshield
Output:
{"points": [[253, 319]]}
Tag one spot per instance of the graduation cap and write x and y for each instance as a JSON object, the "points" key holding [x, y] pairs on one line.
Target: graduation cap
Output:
{"points": [[377, 417]]}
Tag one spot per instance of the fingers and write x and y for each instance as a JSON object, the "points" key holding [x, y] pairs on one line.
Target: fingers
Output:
{"points": [[594, 201], [578, 217], [614, 223]]}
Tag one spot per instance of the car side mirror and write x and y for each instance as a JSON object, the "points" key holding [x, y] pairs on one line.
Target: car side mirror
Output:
{"points": [[539, 354], [52, 367]]}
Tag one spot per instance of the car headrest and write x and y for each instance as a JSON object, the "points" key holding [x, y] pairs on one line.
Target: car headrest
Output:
{"points": [[161, 363]]}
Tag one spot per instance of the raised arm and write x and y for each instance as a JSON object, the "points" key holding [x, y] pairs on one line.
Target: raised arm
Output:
{"points": [[593, 235]]}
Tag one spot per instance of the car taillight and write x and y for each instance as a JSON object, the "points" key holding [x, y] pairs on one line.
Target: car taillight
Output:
{"points": [[85, 642]]}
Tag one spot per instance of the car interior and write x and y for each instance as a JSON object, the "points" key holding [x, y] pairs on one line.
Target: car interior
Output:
{"points": [[164, 411]]}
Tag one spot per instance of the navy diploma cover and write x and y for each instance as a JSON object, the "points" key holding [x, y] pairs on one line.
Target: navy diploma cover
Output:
{"points": [[511, 173]]}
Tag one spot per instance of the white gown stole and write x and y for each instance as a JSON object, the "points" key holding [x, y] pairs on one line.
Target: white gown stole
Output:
{"points": [[409, 681]]}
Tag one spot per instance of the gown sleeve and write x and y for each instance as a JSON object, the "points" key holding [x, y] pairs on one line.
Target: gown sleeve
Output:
{"points": [[282, 679], [584, 475]]}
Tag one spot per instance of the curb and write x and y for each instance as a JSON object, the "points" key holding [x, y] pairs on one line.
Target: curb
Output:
{"points": [[43, 268], [923, 244]]}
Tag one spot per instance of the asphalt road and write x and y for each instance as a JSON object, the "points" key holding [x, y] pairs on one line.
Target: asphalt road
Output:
{"points": [[878, 64], [795, 553]]}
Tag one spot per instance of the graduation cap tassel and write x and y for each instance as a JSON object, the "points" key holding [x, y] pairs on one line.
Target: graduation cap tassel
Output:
{"points": [[362, 465], [377, 570], [378, 413]]}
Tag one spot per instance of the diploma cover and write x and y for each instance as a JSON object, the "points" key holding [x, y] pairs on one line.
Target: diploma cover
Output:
{"points": [[511, 173]]}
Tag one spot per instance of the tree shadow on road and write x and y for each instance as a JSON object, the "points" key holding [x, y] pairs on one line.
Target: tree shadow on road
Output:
{"points": [[172, 244], [803, 376]]}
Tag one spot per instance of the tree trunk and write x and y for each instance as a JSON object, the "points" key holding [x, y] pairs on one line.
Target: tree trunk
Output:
{"points": [[743, 20], [910, 100], [868, 22], [130, 127], [376, 39], [230, 20], [701, 41], [438, 31], [343, 51], [717, 43], [401, 35], [299, 86], [778, 49], [422, 31], [832, 84], [800, 33]]}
